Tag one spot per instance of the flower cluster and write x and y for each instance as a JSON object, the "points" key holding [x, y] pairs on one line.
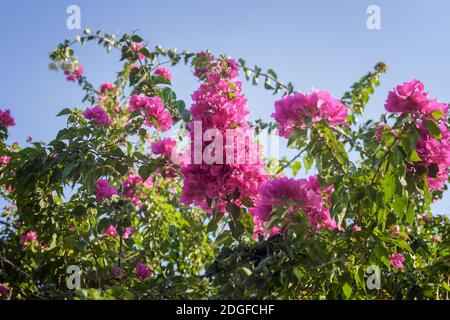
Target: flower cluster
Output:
{"points": [[161, 71], [142, 271], [304, 195], [410, 97], [111, 231], [6, 120], [164, 147], [397, 260], [153, 109], [219, 105], [28, 238], [3, 290], [75, 74], [435, 155], [98, 115], [130, 187], [136, 47], [292, 110], [106, 87], [103, 189], [5, 159]]}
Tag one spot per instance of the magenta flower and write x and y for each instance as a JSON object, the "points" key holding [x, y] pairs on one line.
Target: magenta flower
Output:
{"points": [[72, 75], [110, 231], [410, 97], [28, 238], [3, 290], [116, 271], [302, 194], [164, 147], [105, 87], [292, 110], [161, 71], [435, 153], [153, 110], [356, 228], [142, 271], [395, 230], [397, 260], [128, 232], [219, 104], [29, 139], [136, 47], [5, 159], [6, 120], [98, 115], [103, 189]]}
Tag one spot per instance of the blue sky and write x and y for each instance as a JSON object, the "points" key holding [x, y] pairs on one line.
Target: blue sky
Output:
{"points": [[321, 44]]}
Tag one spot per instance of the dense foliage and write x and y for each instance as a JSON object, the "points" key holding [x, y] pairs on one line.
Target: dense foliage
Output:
{"points": [[115, 196]]}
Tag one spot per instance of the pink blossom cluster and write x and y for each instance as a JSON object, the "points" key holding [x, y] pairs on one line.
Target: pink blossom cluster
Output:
{"points": [[103, 189], [6, 120], [164, 147], [142, 271], [136, 47], [219, 104], [161, 71], [291, 111], [5, 159], [130, 186], [75, 74], [3, 290], [434, 152], [410, 97], [111, 231], [28, 238], [153, 109], [397, 260], [98, 115], [304, 195], [106, 87]]}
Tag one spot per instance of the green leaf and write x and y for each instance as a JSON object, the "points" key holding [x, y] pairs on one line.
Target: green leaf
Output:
{"points": [[347, 289], [433, 128], [144, 171], [64, 112]]}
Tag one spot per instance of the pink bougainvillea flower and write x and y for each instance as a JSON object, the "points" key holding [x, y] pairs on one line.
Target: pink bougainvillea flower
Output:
{"points": [[395, 230], [128, 232], [397, 260], [6, 120], [410, 97], [302, 194], [111, 231], [105, 87], [219, 104], [142, 271], [98, 115], [356, 228], [5, 159], [291, 110], [136, 47], [103, 189], [73, 75], [130, 187], [3, 290], [116, 271], [28, 238], [164, 147], [29, 139], [435, 154], [161, 71], [153, 110]]}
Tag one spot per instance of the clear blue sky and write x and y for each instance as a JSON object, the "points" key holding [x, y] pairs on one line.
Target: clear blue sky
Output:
{"points": [[322, 44]]}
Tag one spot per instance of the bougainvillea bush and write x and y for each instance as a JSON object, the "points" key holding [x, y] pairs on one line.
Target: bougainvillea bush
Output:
{"points": [[143, 213]]}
